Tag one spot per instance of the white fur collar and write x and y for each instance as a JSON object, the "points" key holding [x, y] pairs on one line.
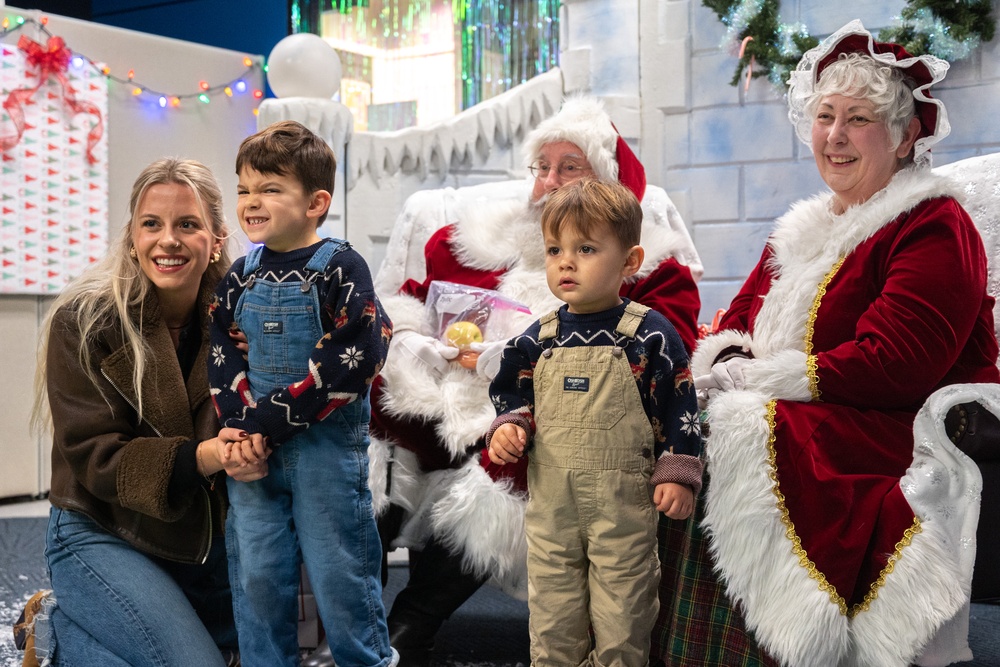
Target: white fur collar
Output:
{"points": [[810, 239]]}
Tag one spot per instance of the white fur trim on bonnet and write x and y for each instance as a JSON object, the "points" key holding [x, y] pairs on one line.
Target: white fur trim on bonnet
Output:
{"points": [[802, 84]]}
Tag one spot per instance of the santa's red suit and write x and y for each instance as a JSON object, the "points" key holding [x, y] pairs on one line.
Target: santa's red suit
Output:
{"points": [[432, 424], [844, 538]]}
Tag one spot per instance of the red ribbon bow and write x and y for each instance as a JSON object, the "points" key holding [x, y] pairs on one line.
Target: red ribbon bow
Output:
{"points": [[51, 61]]}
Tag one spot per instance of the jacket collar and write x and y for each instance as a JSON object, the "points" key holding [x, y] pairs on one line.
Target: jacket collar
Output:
{"points": [[163, 375]]}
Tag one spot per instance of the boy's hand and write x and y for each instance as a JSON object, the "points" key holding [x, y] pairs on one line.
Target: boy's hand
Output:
{"points": [[674, 500], [507, 444], [245, 454], [248, 451]]}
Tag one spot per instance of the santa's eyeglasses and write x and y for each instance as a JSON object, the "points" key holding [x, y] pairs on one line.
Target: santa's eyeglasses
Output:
{"points": [[566, 171]]}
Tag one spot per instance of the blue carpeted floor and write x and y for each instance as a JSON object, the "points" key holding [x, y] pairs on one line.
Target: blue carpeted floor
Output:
{"points": [[490, 630]]}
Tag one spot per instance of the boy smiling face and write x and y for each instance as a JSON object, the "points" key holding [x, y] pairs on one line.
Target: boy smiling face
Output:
{"points": [[275, 210]]}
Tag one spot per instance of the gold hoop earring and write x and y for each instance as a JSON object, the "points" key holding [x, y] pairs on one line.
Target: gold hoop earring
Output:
{"points": [[132, 253], [216, 256]]}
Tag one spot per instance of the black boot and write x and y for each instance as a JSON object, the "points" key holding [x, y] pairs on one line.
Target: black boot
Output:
{"points": [[436, 588]]}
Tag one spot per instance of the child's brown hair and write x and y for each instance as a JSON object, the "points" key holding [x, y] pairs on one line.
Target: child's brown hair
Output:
{"points": [[589, 203], [289, 148]]}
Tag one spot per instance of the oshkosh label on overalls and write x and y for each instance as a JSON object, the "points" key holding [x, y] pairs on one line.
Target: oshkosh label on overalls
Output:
{"points": [[272, 327], [576, 384]]}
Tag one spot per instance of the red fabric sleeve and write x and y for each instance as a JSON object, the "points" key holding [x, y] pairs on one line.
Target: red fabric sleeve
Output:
{"points": [[747, 301], [443, 264], [671, 291], [916, 333]]}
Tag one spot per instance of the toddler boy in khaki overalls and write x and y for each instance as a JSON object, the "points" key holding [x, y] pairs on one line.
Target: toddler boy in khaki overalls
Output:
{"points": [[602, 390]]}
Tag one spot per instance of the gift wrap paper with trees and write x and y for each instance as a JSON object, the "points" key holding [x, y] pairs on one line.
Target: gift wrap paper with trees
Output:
{"points": [[54, 220]]}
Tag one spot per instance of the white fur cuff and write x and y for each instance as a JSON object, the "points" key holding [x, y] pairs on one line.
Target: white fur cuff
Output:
{"points": [[783, 376], [709, 349]]}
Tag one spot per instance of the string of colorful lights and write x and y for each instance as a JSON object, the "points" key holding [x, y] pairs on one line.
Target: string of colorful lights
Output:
{"points": [[203, 94]]}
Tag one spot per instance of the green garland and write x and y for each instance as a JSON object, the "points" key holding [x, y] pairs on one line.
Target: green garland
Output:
{"points": [[945, 28], [948, 29]]}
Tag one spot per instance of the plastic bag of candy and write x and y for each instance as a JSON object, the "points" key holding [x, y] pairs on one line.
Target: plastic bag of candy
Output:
{"points": [[465, 315]]}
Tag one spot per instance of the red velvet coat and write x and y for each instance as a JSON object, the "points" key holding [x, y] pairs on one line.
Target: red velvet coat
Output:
{"points": [[854, 320]]}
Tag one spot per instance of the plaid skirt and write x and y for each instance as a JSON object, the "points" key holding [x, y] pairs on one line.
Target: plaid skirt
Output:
{"points": [[696, 624]]}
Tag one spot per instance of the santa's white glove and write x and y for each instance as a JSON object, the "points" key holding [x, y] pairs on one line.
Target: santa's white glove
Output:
{"points": [[729, 374], [423, 350], [489, 358]]}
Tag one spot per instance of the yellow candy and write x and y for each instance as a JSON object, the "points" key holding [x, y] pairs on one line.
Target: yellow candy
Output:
{"points": [[463, 334]]}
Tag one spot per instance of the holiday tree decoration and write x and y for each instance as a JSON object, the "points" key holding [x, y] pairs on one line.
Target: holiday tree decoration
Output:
{"points": [[948, 29], [764, 46]]}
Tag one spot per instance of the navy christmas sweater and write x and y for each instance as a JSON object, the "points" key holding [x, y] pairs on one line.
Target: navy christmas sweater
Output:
{"points": [[343, 363]]}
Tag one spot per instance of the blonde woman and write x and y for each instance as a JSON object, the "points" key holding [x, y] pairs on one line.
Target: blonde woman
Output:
{"points": [[134, 545]]}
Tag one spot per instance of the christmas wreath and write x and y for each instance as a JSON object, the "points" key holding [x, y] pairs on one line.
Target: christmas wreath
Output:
{"points": [[948, 29]]}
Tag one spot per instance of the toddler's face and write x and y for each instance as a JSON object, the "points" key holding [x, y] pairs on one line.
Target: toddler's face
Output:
{"points": [[586, 271]]}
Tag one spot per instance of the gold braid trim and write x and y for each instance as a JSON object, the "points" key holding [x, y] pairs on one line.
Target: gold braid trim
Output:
{"points": [[790, 533], [796, 541], [810, 326], [887, 570]]}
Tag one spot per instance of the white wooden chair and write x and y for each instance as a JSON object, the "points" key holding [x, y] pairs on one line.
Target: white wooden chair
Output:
{"points": [[980, 180]]}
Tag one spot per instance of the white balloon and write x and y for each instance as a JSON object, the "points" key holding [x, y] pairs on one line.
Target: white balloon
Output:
{"points": [[304, 65]]}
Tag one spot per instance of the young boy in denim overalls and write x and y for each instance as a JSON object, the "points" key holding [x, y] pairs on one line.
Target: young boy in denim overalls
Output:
{"points": [[603, 390], [317, 338]]}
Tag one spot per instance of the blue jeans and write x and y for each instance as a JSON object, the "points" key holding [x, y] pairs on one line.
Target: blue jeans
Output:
{"points": [[116, 606], [315, 507]]}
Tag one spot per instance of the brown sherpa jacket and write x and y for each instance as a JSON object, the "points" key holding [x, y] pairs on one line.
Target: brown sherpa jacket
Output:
{"points": [[116, 469]]}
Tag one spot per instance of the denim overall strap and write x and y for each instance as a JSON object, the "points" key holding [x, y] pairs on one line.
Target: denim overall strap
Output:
{"points": [[252, 261], [282, 319], [322, 256]]}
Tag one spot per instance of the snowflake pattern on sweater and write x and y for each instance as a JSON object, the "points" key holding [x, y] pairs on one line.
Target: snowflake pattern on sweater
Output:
{"points": [[342, 365], [659, 365]]}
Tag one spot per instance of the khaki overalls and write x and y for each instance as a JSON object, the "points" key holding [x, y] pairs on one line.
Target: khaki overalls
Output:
{"points": [[590, 520]]}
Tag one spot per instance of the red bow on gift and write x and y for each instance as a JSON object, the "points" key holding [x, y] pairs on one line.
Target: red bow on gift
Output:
{"points": [[51, 61]]}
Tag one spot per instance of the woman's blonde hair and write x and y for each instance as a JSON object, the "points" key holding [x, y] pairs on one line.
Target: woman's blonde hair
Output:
{"points": [[114, 290]]}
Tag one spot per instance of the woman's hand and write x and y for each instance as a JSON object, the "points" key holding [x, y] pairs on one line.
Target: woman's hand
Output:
{"points": [[242, 455], [730, 374], [724, 376], [240, 339]]}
